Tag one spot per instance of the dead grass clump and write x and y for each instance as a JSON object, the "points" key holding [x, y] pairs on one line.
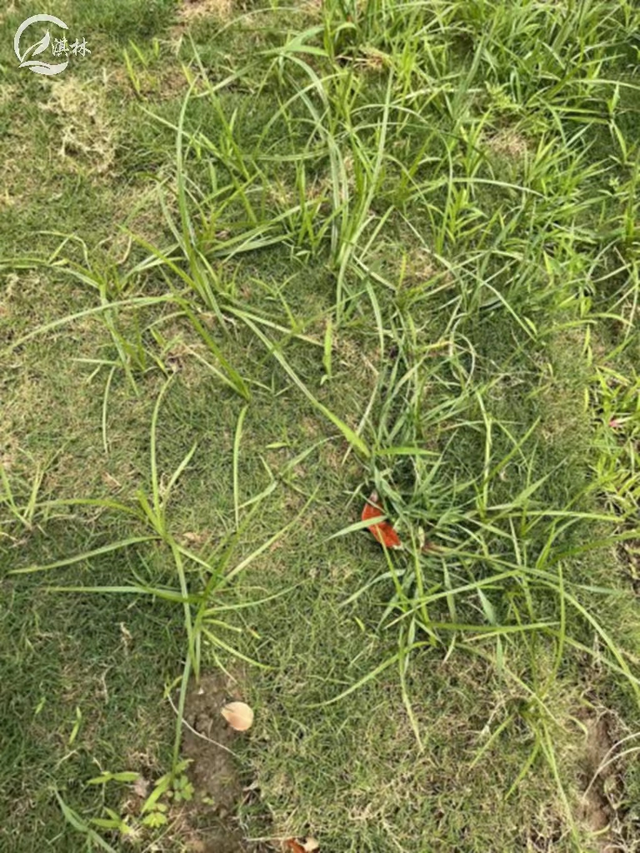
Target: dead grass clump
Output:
{"points": [[191, 10], [87, 139], [508, 143]]}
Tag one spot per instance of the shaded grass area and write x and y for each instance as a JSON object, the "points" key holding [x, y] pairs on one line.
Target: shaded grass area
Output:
{"points": [[388, 246]]}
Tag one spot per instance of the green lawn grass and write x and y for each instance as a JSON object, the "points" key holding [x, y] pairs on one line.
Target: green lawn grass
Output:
{"points": [[257, 262]]}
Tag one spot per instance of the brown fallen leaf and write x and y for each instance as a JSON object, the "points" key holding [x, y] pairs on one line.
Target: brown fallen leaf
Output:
{"points": [[239, 716]]}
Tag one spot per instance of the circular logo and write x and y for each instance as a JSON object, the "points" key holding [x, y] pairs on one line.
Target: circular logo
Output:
{"points": [[26, 60]]}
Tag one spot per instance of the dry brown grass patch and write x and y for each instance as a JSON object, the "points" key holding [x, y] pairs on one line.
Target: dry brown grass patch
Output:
{"points": [[87, 136], [193, 10], [508, 143]]}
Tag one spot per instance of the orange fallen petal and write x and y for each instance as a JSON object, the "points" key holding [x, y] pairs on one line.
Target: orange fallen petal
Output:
{"points": [[382, 531], [308, 846]]}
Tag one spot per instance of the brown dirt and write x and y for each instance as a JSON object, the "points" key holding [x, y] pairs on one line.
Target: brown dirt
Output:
{"points": [[214, 771], [596, 812]]}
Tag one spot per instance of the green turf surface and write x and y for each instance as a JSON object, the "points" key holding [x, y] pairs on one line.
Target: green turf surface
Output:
{"points": [[257, 262]]}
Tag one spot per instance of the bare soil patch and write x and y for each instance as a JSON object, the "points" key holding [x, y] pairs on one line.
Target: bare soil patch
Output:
{"points": [[214, 772], [599, 783]]}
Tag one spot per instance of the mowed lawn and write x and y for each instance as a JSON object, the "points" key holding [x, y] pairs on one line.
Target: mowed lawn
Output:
{"points": [[258, 263]]}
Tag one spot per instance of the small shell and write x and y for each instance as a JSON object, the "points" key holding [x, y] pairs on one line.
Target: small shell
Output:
{"points": [[239, 716]]}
